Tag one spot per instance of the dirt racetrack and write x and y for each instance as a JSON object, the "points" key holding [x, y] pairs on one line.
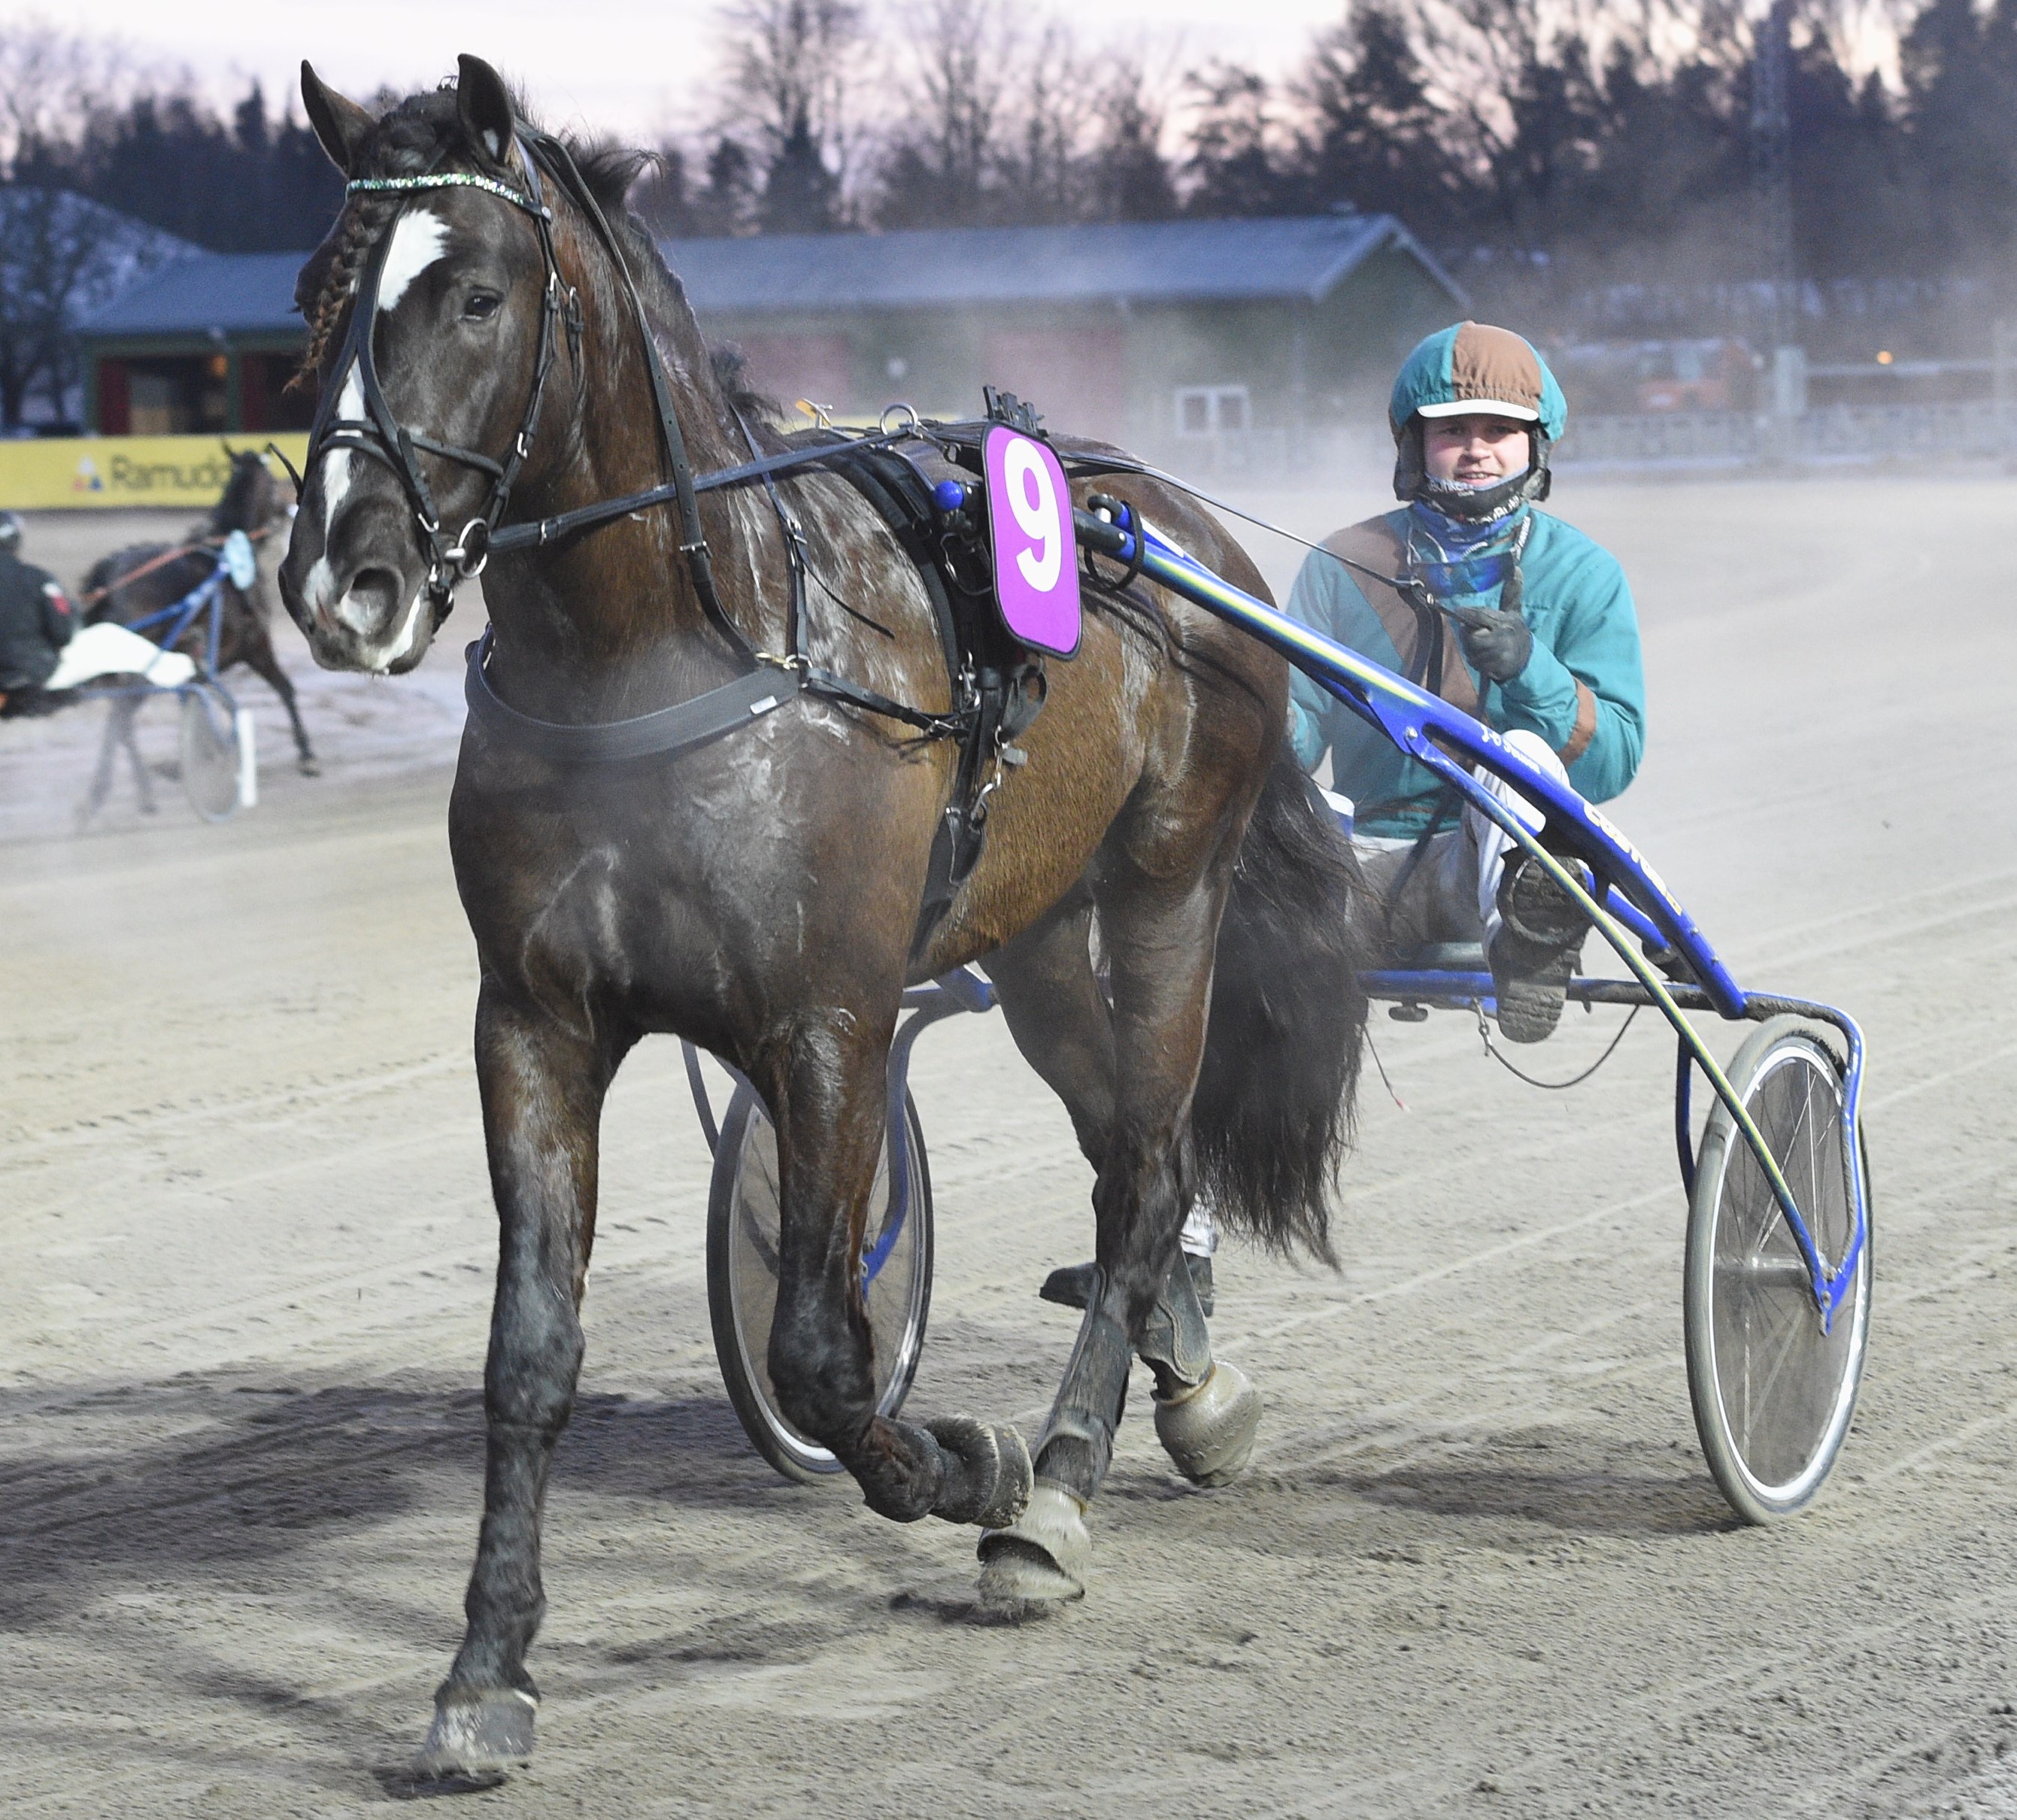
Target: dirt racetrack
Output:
{"points": [[1478, 1567]]}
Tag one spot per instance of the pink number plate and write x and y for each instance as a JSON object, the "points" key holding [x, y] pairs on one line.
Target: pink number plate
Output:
{"points": [[1029, 526]]}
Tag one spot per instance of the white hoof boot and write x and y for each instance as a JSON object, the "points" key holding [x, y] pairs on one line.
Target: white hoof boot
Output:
{"points": [[1209, 1432], [1040, 1559]]}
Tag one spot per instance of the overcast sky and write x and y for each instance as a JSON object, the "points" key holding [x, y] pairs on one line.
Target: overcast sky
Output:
{"points": [[628, 65]]}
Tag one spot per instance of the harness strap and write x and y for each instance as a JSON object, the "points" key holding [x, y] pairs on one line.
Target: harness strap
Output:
{"points": [[664, 731], [536, 534], [693, 538]]}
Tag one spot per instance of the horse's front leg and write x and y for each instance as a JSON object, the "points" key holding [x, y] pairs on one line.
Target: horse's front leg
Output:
{"points": [[543, 1087], [827, 1091]]}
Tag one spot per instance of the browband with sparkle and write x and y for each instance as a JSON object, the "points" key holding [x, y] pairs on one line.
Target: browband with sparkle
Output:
{"points": [[449, 180]]}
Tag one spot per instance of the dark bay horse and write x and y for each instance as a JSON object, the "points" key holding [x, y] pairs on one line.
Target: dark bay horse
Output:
{"points": [[130, 583], [760, 894]]}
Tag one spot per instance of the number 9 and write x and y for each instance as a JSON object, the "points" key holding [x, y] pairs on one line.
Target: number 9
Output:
{"points": [[1036, 514]]}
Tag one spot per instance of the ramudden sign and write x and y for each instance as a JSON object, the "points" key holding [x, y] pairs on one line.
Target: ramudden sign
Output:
{"points": [[176, 471]]}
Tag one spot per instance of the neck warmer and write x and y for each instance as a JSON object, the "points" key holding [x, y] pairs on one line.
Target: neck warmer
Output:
{"points": [[1456, 557]]}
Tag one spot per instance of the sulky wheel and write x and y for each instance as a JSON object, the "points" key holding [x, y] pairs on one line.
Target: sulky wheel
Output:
{"points": [[1773, 1393], [742, 1217], [209, 751]]}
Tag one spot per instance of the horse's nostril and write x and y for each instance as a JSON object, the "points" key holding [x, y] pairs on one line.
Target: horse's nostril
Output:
{"points": [[372, 600]]}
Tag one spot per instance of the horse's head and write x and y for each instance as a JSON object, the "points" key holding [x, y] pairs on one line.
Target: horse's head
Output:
{"points": [[252, 499], [431, 324]]}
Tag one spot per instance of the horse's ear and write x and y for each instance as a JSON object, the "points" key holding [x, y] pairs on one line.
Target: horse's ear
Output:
{"points": [[485, 104], [230, 454], [339, 123]]}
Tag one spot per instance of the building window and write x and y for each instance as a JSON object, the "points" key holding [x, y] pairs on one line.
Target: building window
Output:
{"points": [[1213, 410], [166, 397]]}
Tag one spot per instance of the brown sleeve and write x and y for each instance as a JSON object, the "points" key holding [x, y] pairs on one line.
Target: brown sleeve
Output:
{"points": [[1585, 729]]}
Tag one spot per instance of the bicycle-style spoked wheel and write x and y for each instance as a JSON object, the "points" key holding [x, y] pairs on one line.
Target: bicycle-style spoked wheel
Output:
{"points": [[209, 751], [1773, 1393], [742, 1233]]}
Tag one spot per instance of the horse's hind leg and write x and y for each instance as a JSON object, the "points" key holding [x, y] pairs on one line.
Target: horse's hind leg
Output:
{"points": [[1160, 941], [542, 1088], [826, 1085]]}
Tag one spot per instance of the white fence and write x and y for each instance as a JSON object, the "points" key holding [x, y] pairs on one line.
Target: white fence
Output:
{"points": [[1916, 433]]}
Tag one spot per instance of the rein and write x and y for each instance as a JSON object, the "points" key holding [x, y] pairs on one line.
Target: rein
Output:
{"points": [[161, 562]]}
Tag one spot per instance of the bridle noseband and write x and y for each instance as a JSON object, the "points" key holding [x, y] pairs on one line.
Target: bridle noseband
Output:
{"points": [[380, 434]]}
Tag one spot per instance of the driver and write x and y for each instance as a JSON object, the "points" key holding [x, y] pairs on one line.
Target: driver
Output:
{"points": [[1504, 611], [36, 622], [44, 652]]}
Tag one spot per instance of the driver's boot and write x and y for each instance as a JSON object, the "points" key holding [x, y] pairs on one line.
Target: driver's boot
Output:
{"points": [[1533, 953]]}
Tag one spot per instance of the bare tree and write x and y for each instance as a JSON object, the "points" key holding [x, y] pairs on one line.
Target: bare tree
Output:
{"points": [[51, 83], [789, 74], [61, 255]]}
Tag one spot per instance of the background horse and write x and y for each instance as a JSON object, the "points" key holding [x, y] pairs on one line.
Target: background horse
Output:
{"points": [[130, 583], [760, 894]]}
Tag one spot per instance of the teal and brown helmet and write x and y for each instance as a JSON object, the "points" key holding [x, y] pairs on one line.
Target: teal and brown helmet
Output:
{"points": [[1467, 370]]}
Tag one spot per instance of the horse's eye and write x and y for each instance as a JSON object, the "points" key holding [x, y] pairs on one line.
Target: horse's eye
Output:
{"points": [[481, 306]]}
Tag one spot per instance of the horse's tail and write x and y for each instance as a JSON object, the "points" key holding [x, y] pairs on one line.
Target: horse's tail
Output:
{"points": [[1273, 1111]]}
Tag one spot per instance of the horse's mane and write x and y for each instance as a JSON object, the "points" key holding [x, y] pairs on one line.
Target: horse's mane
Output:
{"points": [[419, 136]]}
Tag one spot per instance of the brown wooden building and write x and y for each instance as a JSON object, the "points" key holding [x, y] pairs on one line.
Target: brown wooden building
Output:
{"points": [[1167, 336], [1152, 334]]}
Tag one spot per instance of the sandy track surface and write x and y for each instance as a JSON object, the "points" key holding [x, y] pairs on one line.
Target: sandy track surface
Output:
{"points": [[1478, 1567]]}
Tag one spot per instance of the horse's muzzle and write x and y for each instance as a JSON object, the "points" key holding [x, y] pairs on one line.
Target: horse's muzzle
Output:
{"points": [[367, 612]]}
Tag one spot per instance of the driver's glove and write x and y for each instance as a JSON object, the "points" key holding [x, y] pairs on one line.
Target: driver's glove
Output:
{"points": [[1496, 645]]}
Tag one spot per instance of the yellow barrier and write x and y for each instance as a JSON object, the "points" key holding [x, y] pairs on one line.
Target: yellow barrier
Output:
{"points": [[64, 471]]}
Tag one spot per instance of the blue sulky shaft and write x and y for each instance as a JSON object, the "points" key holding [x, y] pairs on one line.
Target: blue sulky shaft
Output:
{"points": [[1636, 903]]}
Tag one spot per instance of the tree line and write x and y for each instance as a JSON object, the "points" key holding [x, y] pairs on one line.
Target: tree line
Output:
{"points": [[1555, 128]]}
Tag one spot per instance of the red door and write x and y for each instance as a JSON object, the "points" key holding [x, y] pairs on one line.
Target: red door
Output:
{"points": [[1077, 378]]}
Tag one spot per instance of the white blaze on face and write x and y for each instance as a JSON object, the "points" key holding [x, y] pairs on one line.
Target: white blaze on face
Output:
{"points": [[420, 237]]}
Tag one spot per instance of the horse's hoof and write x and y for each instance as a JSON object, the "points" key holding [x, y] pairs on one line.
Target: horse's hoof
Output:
{"points": [[1039, 1561], [308, 767], [1209, 1432], [990, 1477], [478, 1738]]}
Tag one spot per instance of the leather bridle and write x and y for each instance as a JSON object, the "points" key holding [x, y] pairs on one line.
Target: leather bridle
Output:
{"points": [[380, 435]]}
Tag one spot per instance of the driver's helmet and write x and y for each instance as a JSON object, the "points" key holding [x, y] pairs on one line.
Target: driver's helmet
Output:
{"points": [[10, 532], [1468, 369]]}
